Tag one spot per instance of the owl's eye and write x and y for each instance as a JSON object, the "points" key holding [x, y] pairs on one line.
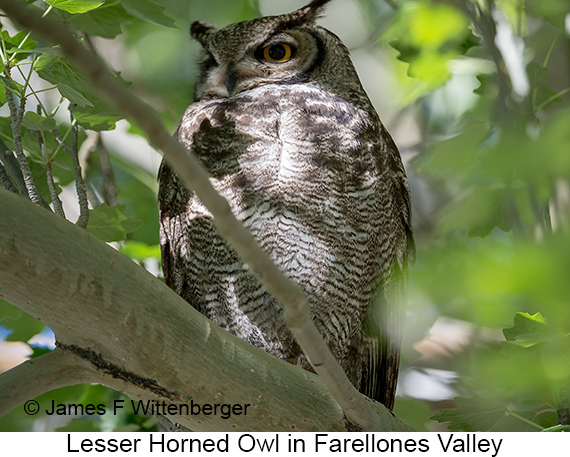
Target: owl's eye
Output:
{"points": [[278, 53]]}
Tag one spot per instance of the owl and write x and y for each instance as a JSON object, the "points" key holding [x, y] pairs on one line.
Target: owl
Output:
{"points": [[291, 140]]}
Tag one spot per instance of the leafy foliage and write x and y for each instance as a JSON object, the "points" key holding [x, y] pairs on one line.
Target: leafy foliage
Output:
{"points": [[499, 246], [437, 34], [110, 223]]}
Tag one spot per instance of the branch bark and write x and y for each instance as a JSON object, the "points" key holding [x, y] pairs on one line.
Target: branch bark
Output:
{"points": [[113, 318], [356, 407]]}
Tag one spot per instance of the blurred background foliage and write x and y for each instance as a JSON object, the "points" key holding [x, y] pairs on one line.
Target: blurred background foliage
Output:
{"points": [[475, 93]]}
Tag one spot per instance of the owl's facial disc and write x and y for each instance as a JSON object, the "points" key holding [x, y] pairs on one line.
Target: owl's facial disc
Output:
{"points": [[212, 83], [270, 50]]}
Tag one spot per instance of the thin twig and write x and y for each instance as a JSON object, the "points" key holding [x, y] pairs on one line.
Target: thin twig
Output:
{"points": [[61, 141], [526, 421], [79, 182], [17, 115], [27, 79], [553, 98], [57, 205], [88, 146]]}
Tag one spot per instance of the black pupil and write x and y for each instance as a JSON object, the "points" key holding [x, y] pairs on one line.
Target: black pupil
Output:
{"points": [[277, 52]]}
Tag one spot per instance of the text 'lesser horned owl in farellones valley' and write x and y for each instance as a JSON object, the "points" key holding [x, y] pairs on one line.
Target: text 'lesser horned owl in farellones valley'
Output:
{"points": [[291, 140]]}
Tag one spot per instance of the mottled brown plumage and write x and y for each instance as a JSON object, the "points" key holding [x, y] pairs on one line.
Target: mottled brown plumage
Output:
{"points": [[299, 152]]}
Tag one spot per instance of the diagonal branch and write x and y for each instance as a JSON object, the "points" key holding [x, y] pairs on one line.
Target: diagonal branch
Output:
{"points": [[117, 317], [192, 173]]}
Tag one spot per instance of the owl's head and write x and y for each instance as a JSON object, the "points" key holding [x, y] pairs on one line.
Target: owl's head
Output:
{"points": [[285, 49]]}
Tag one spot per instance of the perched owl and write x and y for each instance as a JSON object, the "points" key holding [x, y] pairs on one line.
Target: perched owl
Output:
{"points": [[291, 140]]}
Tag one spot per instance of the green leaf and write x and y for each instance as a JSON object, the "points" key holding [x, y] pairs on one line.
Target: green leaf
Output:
{"points": [[59, 72], [39, 351], [538, 351], [456, 153], [75, 6], [525, 324], [542, 95], [8, 312], [472, 414], [96, 119], [480, 210], [11, 85], [537, 75], [35, 121], [139, 191], [554, 11], [140, 251], [39, 174], [149, 11], [16, 44], [73, 96], [92, 112], [428, 36], [23, 325], [109, 223], [413, 412], [105, 22], [476, 414]]}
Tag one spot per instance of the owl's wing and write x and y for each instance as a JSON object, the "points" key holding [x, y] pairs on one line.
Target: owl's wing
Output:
{"points": [[385, 319], [172, 200], [380, 371]]}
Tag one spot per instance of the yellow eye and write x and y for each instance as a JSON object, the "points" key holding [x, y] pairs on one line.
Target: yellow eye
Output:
{"points": [[278, 53]]}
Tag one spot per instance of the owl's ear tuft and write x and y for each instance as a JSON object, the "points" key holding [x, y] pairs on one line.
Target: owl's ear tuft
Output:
{"points": [[308, 14], [201, 31]]}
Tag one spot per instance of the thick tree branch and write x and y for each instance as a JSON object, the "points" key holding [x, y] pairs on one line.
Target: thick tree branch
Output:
{"points": [[117, 317]]}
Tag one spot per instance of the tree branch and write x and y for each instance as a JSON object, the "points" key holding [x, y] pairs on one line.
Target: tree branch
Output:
{"points": [[116, 316], [55, 200], [17, 115], [80, 186], [487, 29]]}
